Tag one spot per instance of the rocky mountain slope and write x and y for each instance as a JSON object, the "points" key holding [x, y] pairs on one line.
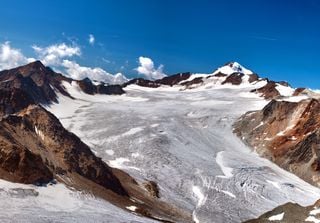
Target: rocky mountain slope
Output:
{"points": [[37, 84], [288, 134]]}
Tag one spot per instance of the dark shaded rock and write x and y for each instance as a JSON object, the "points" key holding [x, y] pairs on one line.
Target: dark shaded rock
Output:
{"points": [[152, 188], [284, 83], [30, 84], [197, 80], [219, 74], [293, 213], [174, 79], [253, 78], [142, 82], [170, 80], [88, 87], [268, 91], [298, 91], [234, 79]]}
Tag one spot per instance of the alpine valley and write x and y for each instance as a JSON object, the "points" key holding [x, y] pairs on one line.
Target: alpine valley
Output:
{"points": [[228, 146]]}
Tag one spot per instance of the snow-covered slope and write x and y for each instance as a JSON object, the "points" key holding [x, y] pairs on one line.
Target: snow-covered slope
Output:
{"points": [[183, 141], [233, 67], [56, 203]]}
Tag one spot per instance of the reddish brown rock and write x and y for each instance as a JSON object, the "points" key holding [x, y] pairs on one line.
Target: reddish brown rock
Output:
{"points": [[268, 91], [234, 79], [253, 78], [142, 82], [174, 79], [298, 91], [219, 74], [288, 133], [197, 80], [88, 87]]}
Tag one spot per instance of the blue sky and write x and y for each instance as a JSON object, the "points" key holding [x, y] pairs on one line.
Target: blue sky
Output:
{"points": [[276, 39]]}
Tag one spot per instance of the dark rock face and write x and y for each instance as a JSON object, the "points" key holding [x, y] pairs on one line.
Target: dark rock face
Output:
{"points": [[30, 84], [197, 80], [234, 79], [142, 82], [219, 74], [253, 78], [298, 91], [292, 213], [170, 80], [268, 91], [152, 188], [174, 79], [88, 87], [288, 134], [110, 89]]}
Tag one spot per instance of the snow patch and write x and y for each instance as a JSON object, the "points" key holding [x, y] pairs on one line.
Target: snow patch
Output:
{"points": [[39, 133], [284, 90], [227, 171], [277, 217], [131, 208], [315, 211], [312, 219], [110, 152]]}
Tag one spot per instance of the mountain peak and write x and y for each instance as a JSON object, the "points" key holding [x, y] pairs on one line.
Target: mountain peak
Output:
{"points": [[35, 65], [233, 67]]}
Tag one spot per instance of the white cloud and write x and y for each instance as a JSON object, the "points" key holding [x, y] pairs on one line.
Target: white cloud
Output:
{"points": [[54, 54], [75, 71], [148, 70], [11, 57], [57, 56], [91, 39]]}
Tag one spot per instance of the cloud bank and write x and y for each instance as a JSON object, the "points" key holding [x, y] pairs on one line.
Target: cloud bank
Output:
{"points": [[52, 55], [59, 57], [11, 57], [146, 68], [75, 71]]}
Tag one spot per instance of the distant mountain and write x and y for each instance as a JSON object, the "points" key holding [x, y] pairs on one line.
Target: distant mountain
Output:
{"points": [[36, 84], [231, 73]]}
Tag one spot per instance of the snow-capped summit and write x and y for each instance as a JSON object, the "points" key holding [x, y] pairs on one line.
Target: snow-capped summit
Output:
{"points": [[232, 67]]}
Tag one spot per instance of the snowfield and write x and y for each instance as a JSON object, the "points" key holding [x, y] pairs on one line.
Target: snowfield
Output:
{"points": [[181, 139]]}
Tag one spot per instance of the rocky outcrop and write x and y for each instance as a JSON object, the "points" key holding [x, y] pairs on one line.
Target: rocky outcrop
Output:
{"points": [[253, 78], [174, 79], [288, 134], [142, 82], [195, 81], [170, 81], [234, 79], [152, 188], [268, 91], [88, 87], [290, 213], [298, 91]]}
